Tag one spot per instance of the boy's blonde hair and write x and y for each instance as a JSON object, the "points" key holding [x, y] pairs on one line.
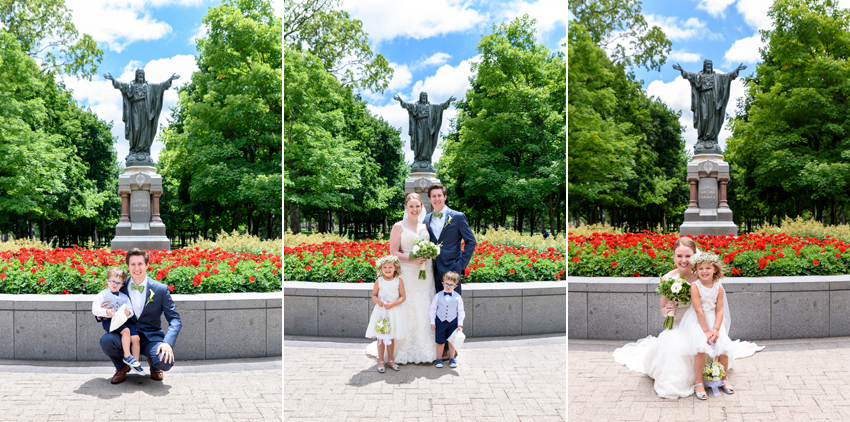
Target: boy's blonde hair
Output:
{"points": [[710, 258], [389, 259], [451, 276], [116, 273]]}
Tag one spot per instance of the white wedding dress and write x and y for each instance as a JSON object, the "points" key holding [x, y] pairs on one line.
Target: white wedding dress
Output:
{"points": [[418, 345], [668, 358]]}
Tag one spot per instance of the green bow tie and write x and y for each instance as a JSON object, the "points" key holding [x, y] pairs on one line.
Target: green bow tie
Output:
{"points": [[438, 214], [139, 287]]}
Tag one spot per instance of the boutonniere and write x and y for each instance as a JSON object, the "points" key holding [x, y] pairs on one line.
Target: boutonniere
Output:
{"points": [[150, 299], [449, 222]]}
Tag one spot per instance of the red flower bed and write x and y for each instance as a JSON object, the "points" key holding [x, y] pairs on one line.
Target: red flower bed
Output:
{"points": [[750, 255], [80, 270], [353, 262]]}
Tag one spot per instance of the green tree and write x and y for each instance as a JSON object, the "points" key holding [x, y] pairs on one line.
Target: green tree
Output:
{"points": [[618, 26], [509, 152], [225, 150], [789, 148]]}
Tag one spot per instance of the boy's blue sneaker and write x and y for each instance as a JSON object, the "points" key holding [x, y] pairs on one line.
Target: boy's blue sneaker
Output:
{"points": [[439, 363], [132, 362], [453, 363]]}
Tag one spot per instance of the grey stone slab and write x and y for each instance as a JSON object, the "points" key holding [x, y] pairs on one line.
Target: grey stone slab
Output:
{"points": [[189, 304], [7, 304], [89, 332], [839, 285], [750, 313], [654, 317], [618, 287], [469, 317], [236, 304], [300, 316], [839, 313], [85, 306], [46, 305], [799, 314], [191, 341], [274, 303], [574, 286], [7, 335], [46, 335], [274, 332], [549, 291], [358, 293], [516, 292], [299, 291], [577, 315], [616, 316], [343, 316], [732, 286], [498, 316], [804, 286], [544, 314], [235, 333]]}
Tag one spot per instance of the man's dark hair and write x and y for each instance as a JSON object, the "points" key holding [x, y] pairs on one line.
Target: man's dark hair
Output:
{"points": [[436, 186], [136, 252]]}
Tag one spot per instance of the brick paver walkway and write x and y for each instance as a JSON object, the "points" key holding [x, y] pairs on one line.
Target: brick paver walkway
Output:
{"points": [[497, 380], [790, 380], [218, 390]]}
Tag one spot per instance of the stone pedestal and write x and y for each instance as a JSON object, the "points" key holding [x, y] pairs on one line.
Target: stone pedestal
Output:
{"points": [[419, 182], [140, 225], [708, 212]]}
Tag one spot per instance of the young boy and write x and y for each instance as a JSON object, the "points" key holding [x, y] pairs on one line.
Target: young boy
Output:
{"points": [[448, 306], [129, 336]]}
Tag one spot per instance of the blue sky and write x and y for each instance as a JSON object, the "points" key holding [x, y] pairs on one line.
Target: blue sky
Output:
{"points": [[156, 35], [430, 46], [725, 31]]}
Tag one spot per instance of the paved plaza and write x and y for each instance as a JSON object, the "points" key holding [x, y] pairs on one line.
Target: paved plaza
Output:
{"points": [[790, 380], [212, 390], [498, 379]]}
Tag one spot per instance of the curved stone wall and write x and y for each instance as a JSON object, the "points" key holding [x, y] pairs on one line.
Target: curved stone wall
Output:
{"points": [[627, 308], [215, 326], [492, 309]]}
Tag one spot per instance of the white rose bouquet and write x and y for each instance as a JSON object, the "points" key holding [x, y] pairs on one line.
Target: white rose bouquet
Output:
{"points": [[675, 289], [713, 374], [424, 249], [383, 326]]}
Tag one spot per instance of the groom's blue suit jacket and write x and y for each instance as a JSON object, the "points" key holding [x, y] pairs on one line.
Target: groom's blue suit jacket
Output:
{"points": [[149, 323], [450, 257]]}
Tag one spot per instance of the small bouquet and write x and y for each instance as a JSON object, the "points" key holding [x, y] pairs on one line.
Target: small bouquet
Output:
{"points": [[424, 249], [713, 374], [383, 326], [675, 289]]}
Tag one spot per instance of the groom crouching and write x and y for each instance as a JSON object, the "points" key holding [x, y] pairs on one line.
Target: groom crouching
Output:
{"points": [[150, 300]]}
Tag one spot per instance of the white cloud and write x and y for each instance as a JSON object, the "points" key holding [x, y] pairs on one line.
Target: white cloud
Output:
{"points": [[278, 8], [388, 19], [679, 30], [549, 13], [562, 45], [106, 101], [401, 76], [745, 50], [200, 32], [714, 7], [677, 96], [435, 60], [118, 23], [755, 13], [683, 56]]}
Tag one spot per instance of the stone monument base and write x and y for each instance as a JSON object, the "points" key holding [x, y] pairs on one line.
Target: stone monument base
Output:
{"points": [[140, 225], [708, 213], [419, 182]]}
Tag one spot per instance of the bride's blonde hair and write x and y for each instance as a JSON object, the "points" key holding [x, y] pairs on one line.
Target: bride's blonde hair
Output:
{"points": [[412, 195]]}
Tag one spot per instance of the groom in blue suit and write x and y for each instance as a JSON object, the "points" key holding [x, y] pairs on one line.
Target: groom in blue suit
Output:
{"points": [[448, 227], [150, 300]]}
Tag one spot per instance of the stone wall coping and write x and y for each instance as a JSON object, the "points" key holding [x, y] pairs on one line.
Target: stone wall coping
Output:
{"points": [[466, 286], [774, 284], [176, 297]]}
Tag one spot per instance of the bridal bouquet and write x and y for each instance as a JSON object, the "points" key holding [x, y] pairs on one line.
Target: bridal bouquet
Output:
{"points": [[424, 249], [675, 289]]}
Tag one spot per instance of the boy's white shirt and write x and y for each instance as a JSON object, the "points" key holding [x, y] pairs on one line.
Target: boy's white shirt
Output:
{"points": [[108, 296], [440, 305]]}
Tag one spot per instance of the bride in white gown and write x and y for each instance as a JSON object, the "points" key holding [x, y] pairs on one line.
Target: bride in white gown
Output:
{"points": [[666, 358], [418, 344]]}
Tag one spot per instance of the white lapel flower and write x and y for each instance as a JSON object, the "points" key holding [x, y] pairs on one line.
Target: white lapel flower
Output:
{"points": [[449, 222], [150, 299]]}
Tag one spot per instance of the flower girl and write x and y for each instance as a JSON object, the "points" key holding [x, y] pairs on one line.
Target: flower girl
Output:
{"points": [[706, 323], [388, 321]]}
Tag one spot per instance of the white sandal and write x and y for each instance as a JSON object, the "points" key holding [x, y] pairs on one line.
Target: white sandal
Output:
{"points": [[701, 395]]}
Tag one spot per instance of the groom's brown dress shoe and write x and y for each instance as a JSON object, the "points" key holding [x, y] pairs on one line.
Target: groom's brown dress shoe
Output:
{"points": [[120, 375], [156, 374]]}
